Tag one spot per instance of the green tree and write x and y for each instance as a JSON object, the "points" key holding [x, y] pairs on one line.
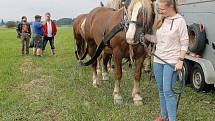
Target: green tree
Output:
{"points": [[11, 24], [2, 22]]}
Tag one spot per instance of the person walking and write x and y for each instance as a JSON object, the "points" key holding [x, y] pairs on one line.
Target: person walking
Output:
{"points": [[50, 30], [171, 46], [37, 36], [24, 33]]}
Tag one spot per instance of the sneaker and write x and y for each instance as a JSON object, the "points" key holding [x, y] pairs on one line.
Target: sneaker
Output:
{"points": [[161, 119]]}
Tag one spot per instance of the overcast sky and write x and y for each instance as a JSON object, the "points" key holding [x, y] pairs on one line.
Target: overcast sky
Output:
{"points": [[14, 9]]}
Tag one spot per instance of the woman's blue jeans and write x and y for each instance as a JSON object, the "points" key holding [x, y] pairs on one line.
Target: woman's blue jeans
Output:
{"points": [[165, 77]]}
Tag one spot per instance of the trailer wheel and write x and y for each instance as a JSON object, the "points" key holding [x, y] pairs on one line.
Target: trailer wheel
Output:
{"points": [[198, 78], [186, 70], [197, 38]]}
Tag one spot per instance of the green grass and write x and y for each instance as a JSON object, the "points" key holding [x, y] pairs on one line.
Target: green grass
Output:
{"points": [[57, 88]]}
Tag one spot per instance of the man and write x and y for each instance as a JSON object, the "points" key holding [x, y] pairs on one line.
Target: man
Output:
{"points": [[37, 36], [50, 31], [24, 33]]}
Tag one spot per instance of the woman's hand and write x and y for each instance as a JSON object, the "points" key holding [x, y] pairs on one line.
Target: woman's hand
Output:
{"points": [[179, 65]]}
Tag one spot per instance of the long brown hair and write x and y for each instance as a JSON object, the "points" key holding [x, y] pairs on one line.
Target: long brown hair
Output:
{"points": [[160, 21]]}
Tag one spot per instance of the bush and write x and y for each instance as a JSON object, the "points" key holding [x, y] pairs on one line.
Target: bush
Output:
{"points": [[11, 24]]}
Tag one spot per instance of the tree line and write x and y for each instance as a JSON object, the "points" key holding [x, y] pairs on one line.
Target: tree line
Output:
{"points": [[60, 22]]}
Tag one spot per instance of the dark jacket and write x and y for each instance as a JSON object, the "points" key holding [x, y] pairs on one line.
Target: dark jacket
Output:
{"points": [[19, 28]]}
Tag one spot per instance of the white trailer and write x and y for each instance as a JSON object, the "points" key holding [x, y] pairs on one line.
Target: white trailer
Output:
{"points": [[200, 18]]}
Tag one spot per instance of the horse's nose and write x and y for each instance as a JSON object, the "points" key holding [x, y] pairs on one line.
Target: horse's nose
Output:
{"points": [[130, 41], [130, 34]]}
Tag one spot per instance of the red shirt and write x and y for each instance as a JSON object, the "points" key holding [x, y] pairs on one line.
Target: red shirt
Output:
{"points": [[54, 29]]}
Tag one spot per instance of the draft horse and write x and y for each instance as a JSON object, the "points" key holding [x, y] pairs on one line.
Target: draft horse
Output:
{"points": [[79, 33], [118, 32]]}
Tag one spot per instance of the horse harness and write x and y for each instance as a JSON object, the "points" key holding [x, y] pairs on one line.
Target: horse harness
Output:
{"points": [[123, 25]]}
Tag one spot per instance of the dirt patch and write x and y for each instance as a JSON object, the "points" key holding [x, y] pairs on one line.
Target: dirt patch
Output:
{"points": [[36, 89], [26, 65], [29, 67]]}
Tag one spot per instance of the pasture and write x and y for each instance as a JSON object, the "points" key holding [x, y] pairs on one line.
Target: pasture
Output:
{"points": [[57, 88]]}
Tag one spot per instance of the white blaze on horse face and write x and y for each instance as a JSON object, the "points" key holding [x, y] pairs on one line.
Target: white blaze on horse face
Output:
{"points": [[132, 26]]}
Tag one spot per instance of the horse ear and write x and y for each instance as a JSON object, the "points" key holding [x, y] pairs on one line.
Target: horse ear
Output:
{"points": [[101, 4]]}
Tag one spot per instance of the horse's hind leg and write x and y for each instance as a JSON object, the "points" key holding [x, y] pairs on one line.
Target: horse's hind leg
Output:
{"points": [[96, 81], [109, 65], [99, 64], [137, 75], [118, 75], [106, 59]]}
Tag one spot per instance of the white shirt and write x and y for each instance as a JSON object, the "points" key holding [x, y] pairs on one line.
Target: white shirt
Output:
{"points": [[49, 25], [170, 38]]}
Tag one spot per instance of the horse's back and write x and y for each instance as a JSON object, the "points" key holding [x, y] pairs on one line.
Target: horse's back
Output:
{"points": [[98, 18], [77, 22]]}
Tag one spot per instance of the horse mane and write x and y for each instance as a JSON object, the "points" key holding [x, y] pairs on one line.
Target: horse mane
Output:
{"points": [[147, 7], [115, 4]]}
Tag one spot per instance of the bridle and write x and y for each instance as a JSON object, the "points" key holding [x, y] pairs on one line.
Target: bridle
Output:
{"points": [[125, 22]]}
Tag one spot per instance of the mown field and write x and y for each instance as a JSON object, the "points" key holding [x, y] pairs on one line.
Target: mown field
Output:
{"points": [[57, 88]]}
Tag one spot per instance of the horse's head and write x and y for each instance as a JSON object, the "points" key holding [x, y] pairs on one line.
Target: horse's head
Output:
{"points": [[141, 19]]}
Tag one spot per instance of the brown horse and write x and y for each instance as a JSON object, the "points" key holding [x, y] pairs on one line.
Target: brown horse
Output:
{"points": [[101, 21], [78, 30]]}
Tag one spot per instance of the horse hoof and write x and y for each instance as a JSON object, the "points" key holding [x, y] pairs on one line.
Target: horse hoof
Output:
{"points": [[138, 100], [96, 84], [105, 77], [98, 71], [118, 100]]}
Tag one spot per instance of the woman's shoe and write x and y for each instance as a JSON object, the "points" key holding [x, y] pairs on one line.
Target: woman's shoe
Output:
{"points": [[161, 119]]}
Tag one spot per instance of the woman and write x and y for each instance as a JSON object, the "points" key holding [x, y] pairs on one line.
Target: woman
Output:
{"points": [[171, 45]]}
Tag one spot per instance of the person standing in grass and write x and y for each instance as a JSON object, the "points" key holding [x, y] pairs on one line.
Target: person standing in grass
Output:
{"points": [[24, 33], [171, 45], [50, 30], [37, 36]]}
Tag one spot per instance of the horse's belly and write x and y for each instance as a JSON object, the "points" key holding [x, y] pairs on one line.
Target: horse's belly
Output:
{"points": [[108, 50]]}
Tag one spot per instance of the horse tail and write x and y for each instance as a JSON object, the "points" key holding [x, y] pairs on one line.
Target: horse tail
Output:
{"points": [[84, 54], [96, 54]]}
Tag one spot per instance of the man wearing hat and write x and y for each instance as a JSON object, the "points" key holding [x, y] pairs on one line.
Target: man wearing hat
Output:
{"points": [[24, 33], [50, 31], [37, 36]]}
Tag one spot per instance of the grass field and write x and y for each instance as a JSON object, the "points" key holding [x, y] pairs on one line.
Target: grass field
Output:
{"points": [[57, 88]]}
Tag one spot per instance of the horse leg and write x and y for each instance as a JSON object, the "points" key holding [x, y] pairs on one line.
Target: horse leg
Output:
{"points": [[137, 75], [96, 81], [106, 58], [118, 75], [99, 64], [109, 65]]}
